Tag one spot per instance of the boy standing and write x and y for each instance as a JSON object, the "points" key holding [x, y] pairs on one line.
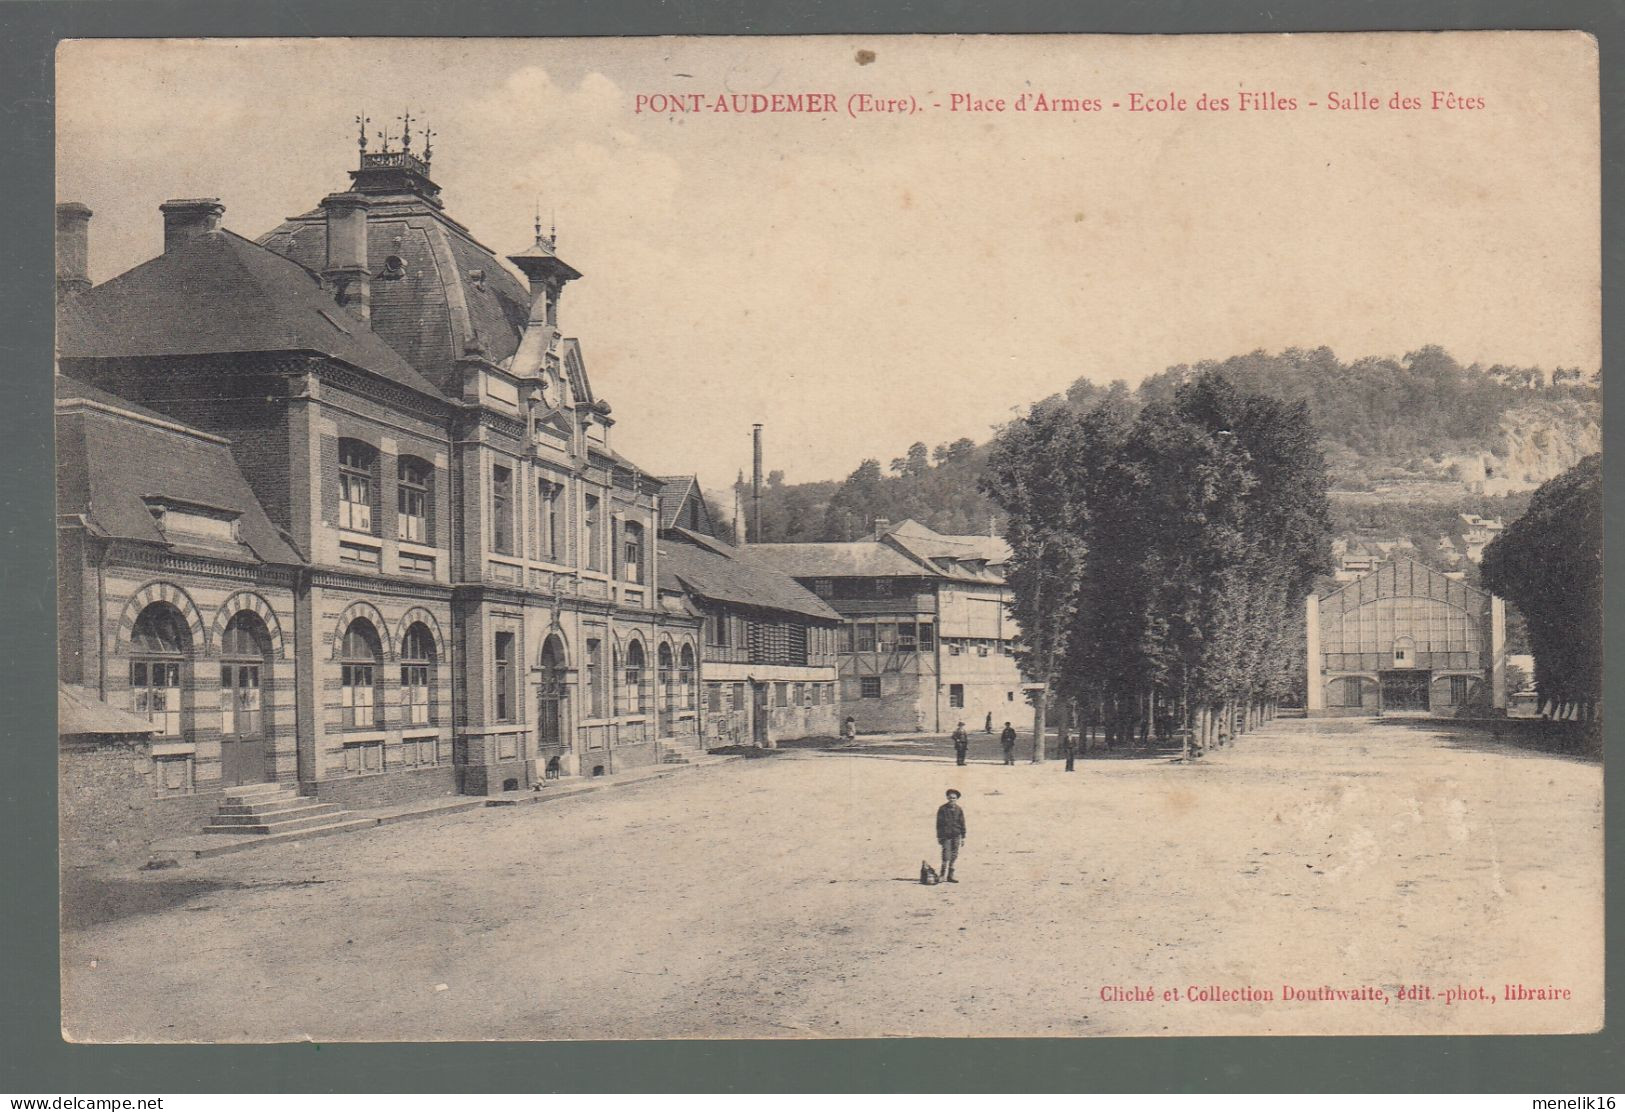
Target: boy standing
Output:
{"points": [[950, 833]]}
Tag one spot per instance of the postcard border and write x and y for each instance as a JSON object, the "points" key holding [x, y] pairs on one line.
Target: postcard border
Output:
{"points": [[37, 1060]]}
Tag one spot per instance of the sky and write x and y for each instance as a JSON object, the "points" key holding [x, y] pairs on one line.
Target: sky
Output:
{"points": [[860, 282]]}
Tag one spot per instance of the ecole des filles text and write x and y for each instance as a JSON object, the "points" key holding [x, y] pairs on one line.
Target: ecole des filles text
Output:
{"points": [[1151, 103]]}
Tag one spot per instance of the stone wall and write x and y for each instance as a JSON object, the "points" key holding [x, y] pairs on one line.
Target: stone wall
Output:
{"points": [[109, 809]]}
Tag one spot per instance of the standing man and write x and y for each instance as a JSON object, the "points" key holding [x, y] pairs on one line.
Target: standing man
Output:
{"points": [[961, 743], [1008, 741], [989, 727], [951, 833], [1069, 748]]}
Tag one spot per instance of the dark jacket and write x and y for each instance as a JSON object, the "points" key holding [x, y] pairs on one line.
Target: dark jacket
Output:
{"points": [[961, 741], [1008, 737], [950, 821]]}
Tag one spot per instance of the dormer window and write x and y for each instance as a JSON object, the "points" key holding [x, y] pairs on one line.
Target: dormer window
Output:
{"points": [[182, 521], [394, 268]]}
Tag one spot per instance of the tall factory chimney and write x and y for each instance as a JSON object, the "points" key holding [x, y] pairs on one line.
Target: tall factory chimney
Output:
{"points": [[756, 484]]}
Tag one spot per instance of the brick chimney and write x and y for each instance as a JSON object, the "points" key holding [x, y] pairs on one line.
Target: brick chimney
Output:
{"points": [[72, 249], [881, 525], [188, 218], [346, 274]]}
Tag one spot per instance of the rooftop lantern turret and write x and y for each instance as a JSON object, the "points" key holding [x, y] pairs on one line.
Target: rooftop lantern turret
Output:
{"points": [[392, 170], [547, 274], [540, 262]]}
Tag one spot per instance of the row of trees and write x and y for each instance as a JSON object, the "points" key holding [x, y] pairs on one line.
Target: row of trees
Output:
{"points": [[1161, 554], [1548, 563]]}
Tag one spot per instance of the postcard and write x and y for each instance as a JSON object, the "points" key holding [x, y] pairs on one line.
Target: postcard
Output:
{"points": [[829, 537]]}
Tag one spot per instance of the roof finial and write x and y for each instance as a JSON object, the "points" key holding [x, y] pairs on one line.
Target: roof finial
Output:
{"points": [[406, 130], [361, 123], [538, 220], [553, 229], [383, 138], [428, 148]]}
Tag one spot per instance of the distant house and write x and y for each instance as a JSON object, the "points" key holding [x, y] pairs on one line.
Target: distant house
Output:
{"points": [[682, 505], [1354, 561], [927, 639]]}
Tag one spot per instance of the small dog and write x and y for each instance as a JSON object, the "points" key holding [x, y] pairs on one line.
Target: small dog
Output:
{"points": [[928, 875]]}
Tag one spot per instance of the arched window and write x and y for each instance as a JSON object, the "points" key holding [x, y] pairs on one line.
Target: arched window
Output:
{"points": [[685, 675], [358, 464], [417, 676], [412, 499], [160, 642], [636, 700], [360, 656], [245, 650]]}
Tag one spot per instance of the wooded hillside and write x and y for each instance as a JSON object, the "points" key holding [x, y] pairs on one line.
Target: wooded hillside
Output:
{"points": [[1423, 432]]}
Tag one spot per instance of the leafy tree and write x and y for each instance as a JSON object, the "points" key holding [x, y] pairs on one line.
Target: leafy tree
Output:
{"points": [[1549, 564], [1161, 558], [850, 510], [1044, 470]]}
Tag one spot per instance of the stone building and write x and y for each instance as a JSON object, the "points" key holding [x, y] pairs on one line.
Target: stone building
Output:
{"points": [[927, 640], [340, 509], [1405, 639]]}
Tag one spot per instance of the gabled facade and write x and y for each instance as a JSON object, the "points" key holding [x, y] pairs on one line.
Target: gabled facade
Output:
{"points": [[1405, 639], [456, 572], [683, 506], [927, 640]]}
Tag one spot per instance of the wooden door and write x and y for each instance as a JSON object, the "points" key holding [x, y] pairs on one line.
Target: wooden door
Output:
{"points": [[242, 725]]}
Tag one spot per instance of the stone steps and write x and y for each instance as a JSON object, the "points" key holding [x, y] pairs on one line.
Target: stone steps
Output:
{"points": [[272, 809]]}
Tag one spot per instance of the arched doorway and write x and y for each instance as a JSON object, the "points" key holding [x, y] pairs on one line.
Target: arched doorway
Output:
{"points": [[666, 695], [245, 667], [550, 695]]}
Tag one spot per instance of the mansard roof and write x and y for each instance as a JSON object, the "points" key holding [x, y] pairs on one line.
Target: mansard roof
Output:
{"points": [[122, 459], [218, 293], [453, 295]]}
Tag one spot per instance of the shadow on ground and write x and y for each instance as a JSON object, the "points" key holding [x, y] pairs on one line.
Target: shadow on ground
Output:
{"points": [[983, 749], [91, 898], [1528, 737]]}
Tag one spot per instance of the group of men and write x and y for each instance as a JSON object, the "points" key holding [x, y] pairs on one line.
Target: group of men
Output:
{"points": [[1007, 741]]}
